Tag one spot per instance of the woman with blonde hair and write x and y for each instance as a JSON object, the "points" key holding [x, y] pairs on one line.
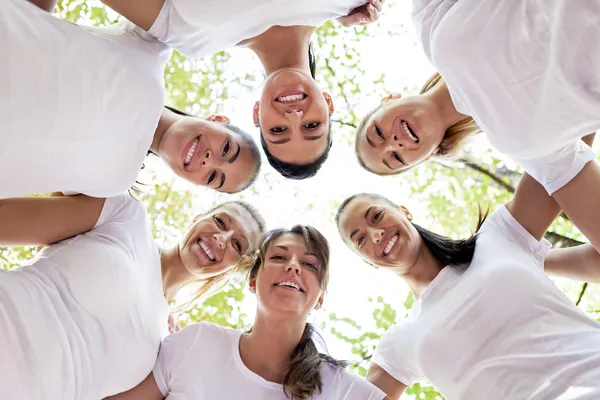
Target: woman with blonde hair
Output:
{"points": [[85, 317], [278, 358]]}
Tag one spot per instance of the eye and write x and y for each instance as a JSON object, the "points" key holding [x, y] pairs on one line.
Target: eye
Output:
{"points": [[220, 222], [397, 157], [379, 133], [377, 216], [360, 241], [237, 245], [226, 149], [312, 125], [211, 178], [277, 258], [277, 130], [309, 265]]}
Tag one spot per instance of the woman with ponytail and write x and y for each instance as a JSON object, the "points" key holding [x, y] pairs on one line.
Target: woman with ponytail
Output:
{"points": [[487, 322], [278, 358]]}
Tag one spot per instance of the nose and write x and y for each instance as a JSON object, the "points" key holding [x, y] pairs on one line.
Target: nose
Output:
{"points": [[376, 234], [293, 265], [221, 239], [208, 159], [294, 114]]}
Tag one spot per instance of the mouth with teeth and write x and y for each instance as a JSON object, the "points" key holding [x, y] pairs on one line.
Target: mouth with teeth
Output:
{"points": [[410, 132], [190, 151], [291, 97], [206, 250], [390, 244], [289, 285]]}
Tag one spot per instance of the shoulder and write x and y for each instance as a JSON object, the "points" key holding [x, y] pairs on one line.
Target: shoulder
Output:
{"points": [[339, 383], [203, 335], [121, 208]]}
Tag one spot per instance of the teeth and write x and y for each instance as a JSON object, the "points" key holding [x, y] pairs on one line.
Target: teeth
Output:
{"points": [[191, 152], [291, 97], [390, 244], [207, 251], [289, 284], [409, 132]]}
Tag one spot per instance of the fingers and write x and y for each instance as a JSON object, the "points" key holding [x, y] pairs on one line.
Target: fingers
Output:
{"points": [[378, 4]]}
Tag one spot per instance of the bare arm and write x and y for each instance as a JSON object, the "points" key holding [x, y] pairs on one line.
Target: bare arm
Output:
{"points": [[147, 390], [579, 262], [46, 220], [384, 381], [46, 5], [143, 13]]}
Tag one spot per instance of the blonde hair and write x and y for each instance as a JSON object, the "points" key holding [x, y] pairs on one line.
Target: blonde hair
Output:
{"points": [[457, 135]]}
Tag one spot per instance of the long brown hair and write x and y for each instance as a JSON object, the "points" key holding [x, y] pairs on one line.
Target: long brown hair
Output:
{"points": [[216, 283], [303, 378]]}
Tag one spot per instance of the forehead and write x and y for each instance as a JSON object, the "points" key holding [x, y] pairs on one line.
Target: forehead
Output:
{"points": [[354, 213], [291, 241], [242, 220]]}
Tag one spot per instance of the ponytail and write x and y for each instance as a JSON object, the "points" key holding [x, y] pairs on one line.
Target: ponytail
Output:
{"points": [[303, 379]]}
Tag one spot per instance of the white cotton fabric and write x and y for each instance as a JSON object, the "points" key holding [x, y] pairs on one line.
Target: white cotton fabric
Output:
{"points": [[78, 106], [84, 319], [203, 361], [201, 28], [497, 329], [528, 71]]}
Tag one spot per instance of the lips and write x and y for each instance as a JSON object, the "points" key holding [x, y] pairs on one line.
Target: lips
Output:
{"points": [[291, 97], [190, 151], [289, 285], [390, 242], [402, 128], [204, 251]]}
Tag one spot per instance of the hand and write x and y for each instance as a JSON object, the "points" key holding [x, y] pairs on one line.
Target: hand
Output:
{"points": [[363, 15], [173, 324]]}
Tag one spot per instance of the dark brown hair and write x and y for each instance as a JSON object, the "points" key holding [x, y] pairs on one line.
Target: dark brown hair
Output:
{"points": [[303, 378]]}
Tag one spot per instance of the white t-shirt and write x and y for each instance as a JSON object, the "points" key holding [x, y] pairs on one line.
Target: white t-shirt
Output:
{"points": [[497, 329], [528, 71], [85, 318], [78, 106], [201, 28], [202, 361]]}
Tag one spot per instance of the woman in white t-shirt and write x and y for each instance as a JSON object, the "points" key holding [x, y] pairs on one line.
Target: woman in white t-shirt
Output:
{"points": [[278, 358], [293, 113], [81, 107], [487, 323], [84, 319], [527, 72]]}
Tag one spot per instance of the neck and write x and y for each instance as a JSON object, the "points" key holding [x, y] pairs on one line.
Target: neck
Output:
{"points": [[291, 42], [167, 118], [267, 350], [440, 95], [174, 273], [422, 272]]}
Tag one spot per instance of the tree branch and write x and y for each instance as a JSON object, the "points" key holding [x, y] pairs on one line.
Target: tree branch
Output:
{"points": [[475, 166], [583, 289], [344, 123], [560, 241]]}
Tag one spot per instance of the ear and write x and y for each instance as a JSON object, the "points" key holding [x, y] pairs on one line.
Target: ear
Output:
{"points": [[255, 113], [407, 213], [217, 118], [320, 302], [391, 96], [196, 218], [329, 102], [252, 285]]}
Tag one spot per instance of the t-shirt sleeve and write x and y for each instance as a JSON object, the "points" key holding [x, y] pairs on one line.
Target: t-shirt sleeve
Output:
{"points": [[556, 169], [501, 224], [172, 354], [389, 356], [119, 209], [353, 387]]}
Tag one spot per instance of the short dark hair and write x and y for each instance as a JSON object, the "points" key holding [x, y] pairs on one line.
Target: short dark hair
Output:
{"points": [[300, 171], [246, 138], [447, 251]]}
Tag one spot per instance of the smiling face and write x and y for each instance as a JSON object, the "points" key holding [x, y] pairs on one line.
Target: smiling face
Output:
{"points": [[293, 115], [216, 242], [380, 233], [290, 281], [208, 154], [401, 133]]}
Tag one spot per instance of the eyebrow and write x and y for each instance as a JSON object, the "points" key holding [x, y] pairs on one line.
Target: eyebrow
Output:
{"points": [[222, 181], [314, 137], [387, 165], [280, 141], [369, 140], [282, 248], [354, 232], [235, 155], [368, 211]]}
